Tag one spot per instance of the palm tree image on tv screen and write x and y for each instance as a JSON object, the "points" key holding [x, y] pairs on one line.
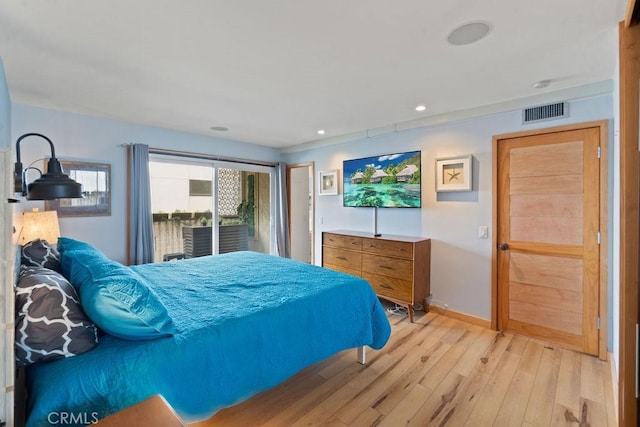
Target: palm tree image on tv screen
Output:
{"points": [[387, 181]]}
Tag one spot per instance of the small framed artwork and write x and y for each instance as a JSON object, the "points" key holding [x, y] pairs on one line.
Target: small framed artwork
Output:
{"points": [[95, 179], [454, 174], [328, 183]]}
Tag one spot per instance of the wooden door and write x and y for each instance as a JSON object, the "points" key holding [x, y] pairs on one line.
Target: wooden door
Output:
{"points": [[548, 236]]}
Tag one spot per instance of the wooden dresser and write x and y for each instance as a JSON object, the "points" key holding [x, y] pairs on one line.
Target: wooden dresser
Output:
{"points": [[397, 267]]}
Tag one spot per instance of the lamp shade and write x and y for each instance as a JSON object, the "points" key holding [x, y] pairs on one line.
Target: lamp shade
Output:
{"points": [[40, 225], [54, 184]]}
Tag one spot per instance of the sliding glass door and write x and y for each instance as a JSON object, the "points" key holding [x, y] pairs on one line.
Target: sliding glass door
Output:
{"points": [[204, 207]]}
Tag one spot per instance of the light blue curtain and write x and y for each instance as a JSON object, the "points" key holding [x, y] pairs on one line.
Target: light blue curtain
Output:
{"points": [[140, 219], [283, 246]]}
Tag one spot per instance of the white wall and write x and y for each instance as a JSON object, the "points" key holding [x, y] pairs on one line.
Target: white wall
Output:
{"points": [[460, 260], [84, 138]]}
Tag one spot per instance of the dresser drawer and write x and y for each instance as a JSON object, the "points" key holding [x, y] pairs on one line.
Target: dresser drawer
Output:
{"points": [[342, 269], [342, 241], [396, 289], [388, 247], [342, 257], [388, 266]]}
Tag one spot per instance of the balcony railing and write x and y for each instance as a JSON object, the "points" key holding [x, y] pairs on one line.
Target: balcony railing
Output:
{"points": [[168, 232]]}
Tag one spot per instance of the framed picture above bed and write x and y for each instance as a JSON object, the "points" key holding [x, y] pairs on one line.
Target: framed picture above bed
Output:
{"points": [[95, 179]]}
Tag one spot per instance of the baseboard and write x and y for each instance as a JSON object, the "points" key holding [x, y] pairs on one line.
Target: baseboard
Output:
{"points": [[460, 316]]}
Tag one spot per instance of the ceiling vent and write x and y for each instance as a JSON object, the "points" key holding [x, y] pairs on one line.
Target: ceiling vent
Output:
{"points": [[541, 113]]}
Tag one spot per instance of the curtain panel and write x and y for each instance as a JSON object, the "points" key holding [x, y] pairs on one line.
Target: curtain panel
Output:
{"points": [[139, 217]]}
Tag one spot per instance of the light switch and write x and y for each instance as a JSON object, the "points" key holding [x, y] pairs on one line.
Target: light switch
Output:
{"points": [[483, 232]]}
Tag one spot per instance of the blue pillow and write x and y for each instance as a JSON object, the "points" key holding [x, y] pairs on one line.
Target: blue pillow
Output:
{"points": [[71, 250], [117, 299]]}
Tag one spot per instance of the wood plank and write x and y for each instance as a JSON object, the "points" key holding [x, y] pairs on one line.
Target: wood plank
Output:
{"points": [[545, 270], [592, 383], [404, 411], [476, 381], [549, 297], [565, 339], [447, 363], [491, 398], [547, 205], [370, 417], [568, 391], [540, 406], [566, 184], [547, 317], [558, 230], [474, 355], [514, 405], [438, 402], [610, 394], [594, 413], [531, 357], [547, 160]]}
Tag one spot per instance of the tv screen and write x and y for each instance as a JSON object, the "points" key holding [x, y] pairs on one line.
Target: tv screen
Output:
{"points": [[387, 181]]}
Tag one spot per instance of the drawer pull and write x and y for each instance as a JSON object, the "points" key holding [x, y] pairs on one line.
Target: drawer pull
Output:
{"points": [[382, 285], [342, 258], [387, 267]]}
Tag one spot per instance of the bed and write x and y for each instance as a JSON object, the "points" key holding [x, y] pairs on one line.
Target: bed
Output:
{"points": [[240, 323]]}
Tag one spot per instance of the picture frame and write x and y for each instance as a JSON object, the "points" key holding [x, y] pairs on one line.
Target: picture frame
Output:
{"points": [[454, 173], [328, 183], [95, 179]]}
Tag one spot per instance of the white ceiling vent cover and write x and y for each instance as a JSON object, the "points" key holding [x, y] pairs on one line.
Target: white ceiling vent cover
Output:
{"points": [[541, 113]]}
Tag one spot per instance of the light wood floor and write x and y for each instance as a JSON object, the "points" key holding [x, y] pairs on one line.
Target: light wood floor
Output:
{"points": [[436, 372]]}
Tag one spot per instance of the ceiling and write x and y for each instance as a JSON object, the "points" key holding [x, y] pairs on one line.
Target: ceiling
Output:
{"points": [[275, 72]]}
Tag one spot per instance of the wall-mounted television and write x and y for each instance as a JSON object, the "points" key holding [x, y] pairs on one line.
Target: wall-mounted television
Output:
{"points": [[387, 181]]}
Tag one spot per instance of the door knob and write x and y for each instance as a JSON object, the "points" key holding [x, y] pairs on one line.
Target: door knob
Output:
{"points": [[504, 247]]}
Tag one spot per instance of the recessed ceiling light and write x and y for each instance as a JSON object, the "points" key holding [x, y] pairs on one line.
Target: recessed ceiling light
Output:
{"points": [[321, 132], [469, 33], [219, 128], [421, 108], [542, 84]]}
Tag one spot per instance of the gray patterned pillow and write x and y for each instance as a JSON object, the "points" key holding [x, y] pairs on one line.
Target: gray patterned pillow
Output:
{"points": [[50, 323], [39, 253]]}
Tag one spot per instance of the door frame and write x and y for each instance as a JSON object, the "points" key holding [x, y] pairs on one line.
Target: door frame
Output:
{"points": [[603, 279], [629, 76]]}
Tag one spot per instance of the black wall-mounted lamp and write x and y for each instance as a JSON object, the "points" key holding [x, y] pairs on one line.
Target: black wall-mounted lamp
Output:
{"points": [[52, 185]]}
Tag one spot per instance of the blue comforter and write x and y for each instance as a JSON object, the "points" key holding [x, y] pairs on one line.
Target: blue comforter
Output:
{"points": [[244, 323]]}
